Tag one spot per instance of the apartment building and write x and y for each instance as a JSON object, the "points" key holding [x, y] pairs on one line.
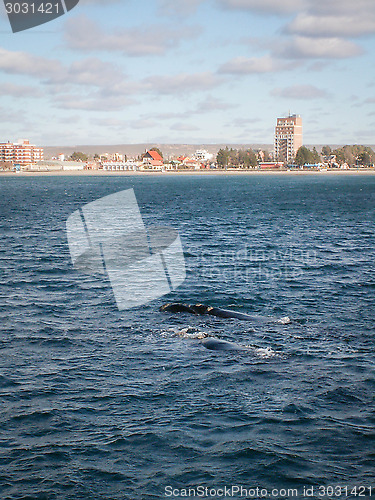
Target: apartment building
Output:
{"points": [[21, 153], [288, 138]]}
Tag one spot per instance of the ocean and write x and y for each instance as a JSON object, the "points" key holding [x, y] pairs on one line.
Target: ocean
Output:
{"points": [[107, 405]]}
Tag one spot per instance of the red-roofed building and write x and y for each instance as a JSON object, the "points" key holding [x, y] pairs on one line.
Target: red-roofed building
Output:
{"points": [[153, 159], [189, 163], [153, 155]]}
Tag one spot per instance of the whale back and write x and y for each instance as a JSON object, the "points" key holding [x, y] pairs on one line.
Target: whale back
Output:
{"points": [[202, 309], [174, 307], [220, 345]]}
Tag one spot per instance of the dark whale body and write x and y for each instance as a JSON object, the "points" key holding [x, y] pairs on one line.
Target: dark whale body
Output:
{"points": [[202, 309], [214, 343], [220, 345]]}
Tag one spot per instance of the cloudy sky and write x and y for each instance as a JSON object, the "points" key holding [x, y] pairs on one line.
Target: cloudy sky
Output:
{"points": [[191, 71]]}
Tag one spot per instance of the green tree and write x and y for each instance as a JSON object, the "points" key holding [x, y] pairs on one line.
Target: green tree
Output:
{"points": [[267, 156], [233, 158], [364, 154], [303, 156], [222, 157], [345, 155], [78, 156], [355, 154], [326, 151], [251, 158], [364, 158], [316, 156], [242, 158], [236, 158]]}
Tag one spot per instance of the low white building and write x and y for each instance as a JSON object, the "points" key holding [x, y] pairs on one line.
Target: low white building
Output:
{"points": [[203, 155], [55, 165], [120, 165], [73, 165]]}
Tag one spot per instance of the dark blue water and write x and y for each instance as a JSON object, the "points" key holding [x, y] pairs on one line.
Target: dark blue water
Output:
{"points": [[102, 404]]}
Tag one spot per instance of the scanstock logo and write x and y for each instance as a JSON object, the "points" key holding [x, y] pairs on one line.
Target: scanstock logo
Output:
{"points": [[25, 15], [108, 238]]}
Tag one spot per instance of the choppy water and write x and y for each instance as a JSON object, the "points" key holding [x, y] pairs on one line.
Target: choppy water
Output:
{"points": [[102, 404]]}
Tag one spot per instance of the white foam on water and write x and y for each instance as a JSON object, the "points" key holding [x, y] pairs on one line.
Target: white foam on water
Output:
{"points": [[263, 352], [188, 332], [284, 321]]}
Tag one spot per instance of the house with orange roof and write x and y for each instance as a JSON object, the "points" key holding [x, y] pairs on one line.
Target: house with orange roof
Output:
{"points": [[152, 159]]}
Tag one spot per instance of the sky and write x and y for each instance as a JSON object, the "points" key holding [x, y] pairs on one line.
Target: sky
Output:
{"points": [[191, 71]]}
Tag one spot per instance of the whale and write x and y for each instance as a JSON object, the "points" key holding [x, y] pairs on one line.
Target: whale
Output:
{"points": [[201, 309], [215, 344], [212, 343]]}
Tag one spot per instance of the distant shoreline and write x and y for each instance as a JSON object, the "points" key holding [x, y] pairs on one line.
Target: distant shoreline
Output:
{"points": [[130, 173]]}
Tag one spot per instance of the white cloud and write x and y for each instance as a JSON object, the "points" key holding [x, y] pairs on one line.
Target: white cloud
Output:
{"points": [[341, 7], [317, 48], [168, 116], [81, 33], [100, 2], [181, 7], [184, 127], [361, 8], [304, 92], [267, 6], [21, 63], [181, 83], [252, 65], [12, 116], [15, 90], [92, 102], [114, 123], [243, 122], [333, 25], [144, 123], [212, 104], [91, 72]]}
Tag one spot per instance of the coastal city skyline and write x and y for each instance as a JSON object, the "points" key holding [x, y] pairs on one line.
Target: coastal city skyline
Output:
{"points": [[191, 72], [289, 153]]}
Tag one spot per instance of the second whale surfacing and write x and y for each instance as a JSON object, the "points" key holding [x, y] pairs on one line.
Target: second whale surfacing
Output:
{"points": [[211, 343], [201, 309], [215, 344]]}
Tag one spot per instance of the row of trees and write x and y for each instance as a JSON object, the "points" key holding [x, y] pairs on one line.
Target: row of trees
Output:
{"points": [[242, 158], [352, 155], [306, 156]]}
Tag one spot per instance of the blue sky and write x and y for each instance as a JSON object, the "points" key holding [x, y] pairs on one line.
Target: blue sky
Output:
{"points": [[191, 71]]}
